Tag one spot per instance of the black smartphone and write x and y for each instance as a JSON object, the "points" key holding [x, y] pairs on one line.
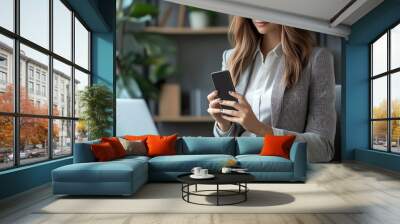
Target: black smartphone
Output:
{"points": [[223, 84]]}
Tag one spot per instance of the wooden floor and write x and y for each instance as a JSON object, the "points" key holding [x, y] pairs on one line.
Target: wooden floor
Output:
{"points": [[377, 188]]}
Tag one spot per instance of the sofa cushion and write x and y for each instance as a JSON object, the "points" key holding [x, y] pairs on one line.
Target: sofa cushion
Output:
{"points": [[112, 171], [185, 163], [103, 152], [137, 147], [277, 145], [249, 145], [257, 163], [161, 145], [206, 145]]}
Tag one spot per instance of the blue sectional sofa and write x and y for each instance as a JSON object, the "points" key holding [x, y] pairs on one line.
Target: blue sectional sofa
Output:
{"points": [[125, 176]]}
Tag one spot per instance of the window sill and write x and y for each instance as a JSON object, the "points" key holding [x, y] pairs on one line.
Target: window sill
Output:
{"points": [[385, 160], [26, 167]]}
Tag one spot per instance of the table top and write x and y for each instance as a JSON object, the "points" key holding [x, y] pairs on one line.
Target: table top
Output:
{"points": [[220, 178]]}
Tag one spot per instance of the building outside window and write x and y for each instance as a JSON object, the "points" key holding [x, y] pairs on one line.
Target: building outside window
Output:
{"points": [[58, 128], [385, 91], [3, 72], [30, 87], [30, 72]]}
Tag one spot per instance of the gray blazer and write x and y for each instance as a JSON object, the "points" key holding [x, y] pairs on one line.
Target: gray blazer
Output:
{"points": [[306, 110]]}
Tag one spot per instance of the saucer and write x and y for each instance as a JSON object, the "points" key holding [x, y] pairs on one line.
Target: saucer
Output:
{"points": [[208, 176]]}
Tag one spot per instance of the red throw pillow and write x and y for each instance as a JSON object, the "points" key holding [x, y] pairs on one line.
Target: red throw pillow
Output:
{"points": [[161, 145], [277, 145], [103, 152], [116, 145]]}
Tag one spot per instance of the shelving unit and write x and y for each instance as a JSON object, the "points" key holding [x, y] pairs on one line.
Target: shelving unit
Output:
{"points": [[186, 30], [183, 119]]}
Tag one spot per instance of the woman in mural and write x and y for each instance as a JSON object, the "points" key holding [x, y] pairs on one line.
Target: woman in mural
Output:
{"points": [[284, 86]]}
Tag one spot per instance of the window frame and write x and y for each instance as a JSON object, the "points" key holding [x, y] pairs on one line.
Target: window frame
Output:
{"points": [[16, 115], [388, 74]]}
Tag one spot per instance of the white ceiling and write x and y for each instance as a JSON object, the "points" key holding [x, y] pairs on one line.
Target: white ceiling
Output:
{"points": [[325, 16], [321, 9]]}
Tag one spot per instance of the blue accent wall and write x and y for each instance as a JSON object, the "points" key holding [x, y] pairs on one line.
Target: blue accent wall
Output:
{"points": [[99, 15], [356, 82]]}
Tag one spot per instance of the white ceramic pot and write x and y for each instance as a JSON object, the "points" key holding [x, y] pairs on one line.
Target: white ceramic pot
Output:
{"points": [[198, 20]]}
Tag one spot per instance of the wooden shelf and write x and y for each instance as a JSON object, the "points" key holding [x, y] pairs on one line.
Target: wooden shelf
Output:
{"points": [[186, 30], [183, 119]]}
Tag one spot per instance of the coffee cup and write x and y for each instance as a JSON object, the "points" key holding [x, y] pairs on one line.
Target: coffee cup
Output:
{"points": [[226, 170], [203, 172], [196, 171]]}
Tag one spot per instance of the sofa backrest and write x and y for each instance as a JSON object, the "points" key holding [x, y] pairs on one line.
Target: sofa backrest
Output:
{"points": [[206, 145], [249, 145], [83, 152]]}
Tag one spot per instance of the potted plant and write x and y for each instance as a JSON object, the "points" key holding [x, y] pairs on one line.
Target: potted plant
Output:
{"points": [[96, 102], [145, 66], [199, 18]]}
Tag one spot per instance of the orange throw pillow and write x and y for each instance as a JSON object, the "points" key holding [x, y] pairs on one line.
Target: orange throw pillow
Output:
{"points": [[136, 137], [103, 152], [277, 145], [161, 145], [116, 145]]}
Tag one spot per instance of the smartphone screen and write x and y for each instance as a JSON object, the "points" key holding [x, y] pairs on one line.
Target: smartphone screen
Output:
{"points": [[223, 84]]}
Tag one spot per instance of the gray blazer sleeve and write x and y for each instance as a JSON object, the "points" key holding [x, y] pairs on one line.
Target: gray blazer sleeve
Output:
{"points": [[218, 132], [321, 119]]}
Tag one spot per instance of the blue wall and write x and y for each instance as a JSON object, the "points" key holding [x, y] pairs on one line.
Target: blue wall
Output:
{"points": [[99, 15], [356, 119]]}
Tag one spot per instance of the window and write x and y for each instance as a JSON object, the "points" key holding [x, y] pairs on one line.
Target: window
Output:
{"points": [[30, 72], [30, 87], [34, 21], [7, 14], [385, 91], [6, 73], [45, 124], [62, 29], [81, 45], [37, 89], [3, 61], [44, 91], [3, 78]]}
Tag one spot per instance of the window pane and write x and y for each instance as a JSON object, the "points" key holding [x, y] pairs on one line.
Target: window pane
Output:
{"points": [[81, 82], [81, 131], [34, 72], [379, 55], [379, 97], [395, 47], [395, 94], [62, 29], [35, 21], [395, 138], [7, 14], [6, 74], [62, 89], [62, 138], [6, 142], [81, 45], [33, 140], [379, 135]]}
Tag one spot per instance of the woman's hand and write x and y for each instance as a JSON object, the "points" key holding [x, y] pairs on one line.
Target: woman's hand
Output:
{"points": [[243, 115], [214, 109]]}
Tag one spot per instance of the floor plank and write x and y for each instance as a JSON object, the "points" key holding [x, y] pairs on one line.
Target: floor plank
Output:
{"points": [[378, 190]]}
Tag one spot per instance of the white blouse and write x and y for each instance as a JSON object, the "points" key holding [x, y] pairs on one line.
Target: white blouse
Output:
{"points": [[260, 85]]}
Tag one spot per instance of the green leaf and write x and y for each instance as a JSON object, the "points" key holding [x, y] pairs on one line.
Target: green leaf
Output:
{"points": [[139, 10]]}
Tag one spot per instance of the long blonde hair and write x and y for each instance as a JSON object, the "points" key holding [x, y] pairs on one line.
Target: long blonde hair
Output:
{"points": [[297, 46]]}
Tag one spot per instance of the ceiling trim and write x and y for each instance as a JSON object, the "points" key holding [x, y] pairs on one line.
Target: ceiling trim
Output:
{"points": [[270, 15]]}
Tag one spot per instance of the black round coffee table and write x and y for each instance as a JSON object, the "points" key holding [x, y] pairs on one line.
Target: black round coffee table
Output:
{"points": [[238, 179]]}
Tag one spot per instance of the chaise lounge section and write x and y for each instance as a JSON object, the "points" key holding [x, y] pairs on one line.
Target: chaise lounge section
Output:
{"points": [[125, 176]]}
